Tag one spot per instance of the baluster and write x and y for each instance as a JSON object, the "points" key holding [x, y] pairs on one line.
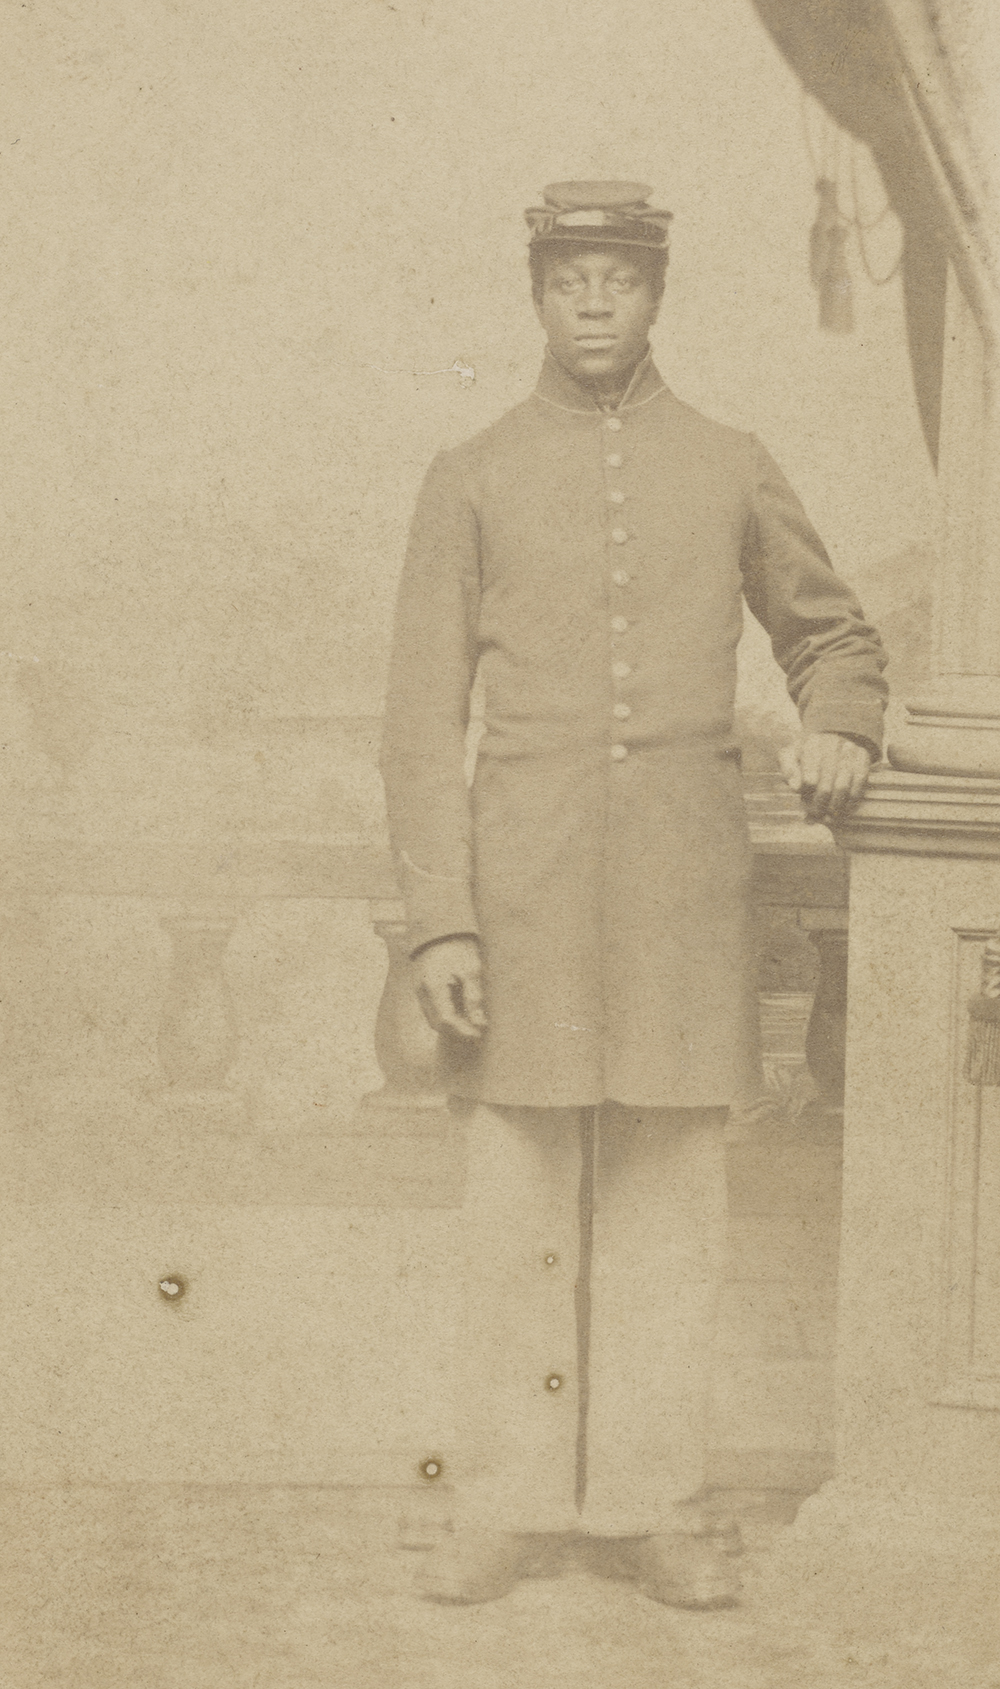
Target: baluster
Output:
{"points": [[826, 1039], [411, 1100], [784, 1018]]}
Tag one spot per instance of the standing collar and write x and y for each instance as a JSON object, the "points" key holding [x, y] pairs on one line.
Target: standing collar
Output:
{"points": [[557, 387]]}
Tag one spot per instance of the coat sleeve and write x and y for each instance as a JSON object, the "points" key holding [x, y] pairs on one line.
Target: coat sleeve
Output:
{"points": [[427, 709], [831, 656]]}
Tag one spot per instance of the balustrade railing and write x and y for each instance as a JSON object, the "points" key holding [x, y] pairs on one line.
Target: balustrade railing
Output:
{"points": [[800, 888]]}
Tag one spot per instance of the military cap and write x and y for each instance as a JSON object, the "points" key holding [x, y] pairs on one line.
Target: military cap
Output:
{"points": [[599, 213]]}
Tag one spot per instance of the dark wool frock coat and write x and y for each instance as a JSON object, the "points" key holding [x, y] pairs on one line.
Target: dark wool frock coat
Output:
{"points": [[590, 565]]}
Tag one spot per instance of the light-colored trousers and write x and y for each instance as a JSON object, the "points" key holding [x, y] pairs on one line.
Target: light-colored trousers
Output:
{"points": [[593, 1252]]}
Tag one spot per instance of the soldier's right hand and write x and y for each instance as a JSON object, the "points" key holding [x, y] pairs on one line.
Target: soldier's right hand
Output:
{"points": [[449, 982]]}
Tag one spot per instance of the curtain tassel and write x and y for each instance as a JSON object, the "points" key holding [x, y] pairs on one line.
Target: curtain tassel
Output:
{"points": [[828, 261]]}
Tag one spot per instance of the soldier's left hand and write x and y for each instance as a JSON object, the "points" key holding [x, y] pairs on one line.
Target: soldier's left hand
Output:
{"points": [[830, 773]]}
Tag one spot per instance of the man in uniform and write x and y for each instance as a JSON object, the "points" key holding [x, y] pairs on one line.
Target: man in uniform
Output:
{"points": [[578, 917]]}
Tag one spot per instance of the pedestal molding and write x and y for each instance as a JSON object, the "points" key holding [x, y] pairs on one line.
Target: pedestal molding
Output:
{"points": [[925, 815], [966, 748]]}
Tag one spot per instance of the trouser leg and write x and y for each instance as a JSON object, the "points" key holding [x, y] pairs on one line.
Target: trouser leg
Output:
{"points": [[594, 1258], [659, 1231], [517, 1374]]}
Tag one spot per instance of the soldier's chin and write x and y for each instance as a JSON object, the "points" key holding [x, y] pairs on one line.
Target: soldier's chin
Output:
{"points": [[598, 362]]}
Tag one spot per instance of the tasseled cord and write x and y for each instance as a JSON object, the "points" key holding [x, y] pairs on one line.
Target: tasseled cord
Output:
{"points": [[982, 1060], [828, 261]]}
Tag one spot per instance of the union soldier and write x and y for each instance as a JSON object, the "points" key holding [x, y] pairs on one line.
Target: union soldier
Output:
{"points": [[578, 916]]}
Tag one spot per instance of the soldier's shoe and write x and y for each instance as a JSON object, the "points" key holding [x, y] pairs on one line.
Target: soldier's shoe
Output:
{"points": [[623, 1558], [691, 1519], [687, 1571], [469, 1566], [725, 1533]]}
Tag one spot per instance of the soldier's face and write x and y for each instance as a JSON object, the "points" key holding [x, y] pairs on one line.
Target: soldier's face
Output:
{"points": [[597, 309]]}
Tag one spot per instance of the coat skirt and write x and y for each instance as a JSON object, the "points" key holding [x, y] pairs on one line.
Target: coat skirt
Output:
{"points": [[615, 927]]}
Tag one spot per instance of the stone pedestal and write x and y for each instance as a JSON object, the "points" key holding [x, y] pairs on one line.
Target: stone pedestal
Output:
{"points": [[910, 1525], [916, 1499]]}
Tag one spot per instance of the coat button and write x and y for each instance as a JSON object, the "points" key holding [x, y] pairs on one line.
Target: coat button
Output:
{"points": [[621, 577], [619, 535], [619, 753], [614, 460], [621, 671], [616, 497], [619, 624], [621, 712], [550, 1260], [614, 423], [554, 1382]]}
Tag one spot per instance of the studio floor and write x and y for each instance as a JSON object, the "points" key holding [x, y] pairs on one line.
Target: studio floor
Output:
{"points": [[246, 1587]]}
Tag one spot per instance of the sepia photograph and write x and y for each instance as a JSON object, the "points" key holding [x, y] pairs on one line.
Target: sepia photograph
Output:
{"points": [[500, 844]]}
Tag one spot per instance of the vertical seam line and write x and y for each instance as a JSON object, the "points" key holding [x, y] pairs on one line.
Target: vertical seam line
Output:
{"points": [[588, 1144]]}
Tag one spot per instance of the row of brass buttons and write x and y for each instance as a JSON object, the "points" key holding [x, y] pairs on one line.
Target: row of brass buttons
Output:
{"points": [[619, 624]]}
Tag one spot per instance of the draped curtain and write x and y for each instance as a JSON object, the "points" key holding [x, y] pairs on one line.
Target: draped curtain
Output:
{"points": [[912, 79]]}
